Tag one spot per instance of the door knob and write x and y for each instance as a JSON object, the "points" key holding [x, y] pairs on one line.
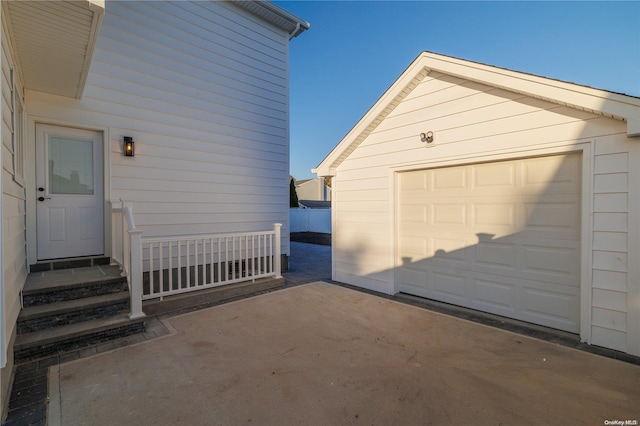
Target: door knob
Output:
{"points": [[43, 198]]}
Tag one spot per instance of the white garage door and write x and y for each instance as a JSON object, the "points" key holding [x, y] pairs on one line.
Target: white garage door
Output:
{"points": [[501, 237]]}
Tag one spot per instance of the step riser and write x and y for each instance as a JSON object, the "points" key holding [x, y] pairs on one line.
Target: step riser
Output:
{"points": [[68, 310], [28, 354], [73, 317], [56, 265], [43, 298]]}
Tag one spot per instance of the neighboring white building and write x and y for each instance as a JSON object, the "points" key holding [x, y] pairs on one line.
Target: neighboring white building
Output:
{"points": [[313, 189], [200, 86], [496, 190]]}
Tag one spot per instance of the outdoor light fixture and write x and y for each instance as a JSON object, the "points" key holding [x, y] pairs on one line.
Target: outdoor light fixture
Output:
{"points": [[426, 137], [129, 149]]}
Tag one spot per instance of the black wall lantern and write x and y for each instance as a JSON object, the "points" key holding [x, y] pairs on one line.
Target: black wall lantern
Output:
{"points": [[129, 148]]}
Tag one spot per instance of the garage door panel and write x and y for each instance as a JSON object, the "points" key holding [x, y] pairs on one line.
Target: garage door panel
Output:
{"points": [[549, 215], [502, 215], [547, 304], [447, 214], [449, 248], [552, 307], [501, 176], [448, 179], [502, 237], [414, 281], [450, 288], [414, 181], [551, 175], [550, 264], [413, 213], [498, 297], [414, 248], [500, 255]]}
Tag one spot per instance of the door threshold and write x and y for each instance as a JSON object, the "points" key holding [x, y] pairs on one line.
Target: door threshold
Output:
{"points": [[69, 263]]}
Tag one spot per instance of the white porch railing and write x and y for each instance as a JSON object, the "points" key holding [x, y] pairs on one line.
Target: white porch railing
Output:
{"points": [[126, 251], [163, 266], [176, 265]]}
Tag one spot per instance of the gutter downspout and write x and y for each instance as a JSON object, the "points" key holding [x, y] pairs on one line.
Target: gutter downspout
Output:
{"points": [[295, 32]]}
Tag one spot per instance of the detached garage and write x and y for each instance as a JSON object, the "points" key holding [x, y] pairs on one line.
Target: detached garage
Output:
{"points": [[499, 191]]}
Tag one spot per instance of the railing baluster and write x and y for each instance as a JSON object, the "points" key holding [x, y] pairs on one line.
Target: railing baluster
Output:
{"points": [[253, 256], [210, 261], [270, 253], [260, 242], [195, 262], [203, 278], [160, 271], [227, 266], [276, 250], [203, 266], [188, 265], [170, 254], [219, 261], [245, 269], [151, 269], [179, 258], [233, 258]]}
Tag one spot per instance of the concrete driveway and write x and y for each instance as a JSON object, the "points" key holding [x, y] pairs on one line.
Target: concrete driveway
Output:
{"points": [[320, 354]]}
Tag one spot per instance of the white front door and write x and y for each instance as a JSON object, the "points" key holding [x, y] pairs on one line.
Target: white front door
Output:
{"points": [[69, 190]]}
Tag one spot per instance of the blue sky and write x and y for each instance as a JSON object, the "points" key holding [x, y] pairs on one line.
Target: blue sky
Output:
{"points": [[355, 50]]}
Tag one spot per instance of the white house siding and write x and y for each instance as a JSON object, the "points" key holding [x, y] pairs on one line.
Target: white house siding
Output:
{"points": [[202, 87], [610, 243], [477, 123], [13, 221]]}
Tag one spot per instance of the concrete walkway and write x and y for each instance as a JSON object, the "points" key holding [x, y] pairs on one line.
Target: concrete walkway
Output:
{"points": [[321, 354], [327, 354], [308, 263]]}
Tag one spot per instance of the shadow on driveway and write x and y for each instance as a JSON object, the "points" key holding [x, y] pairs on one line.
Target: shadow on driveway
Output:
{"points": [[326, 355]]}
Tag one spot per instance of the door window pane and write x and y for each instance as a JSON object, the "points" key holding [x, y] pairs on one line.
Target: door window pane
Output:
{"points": [[70, 166]]}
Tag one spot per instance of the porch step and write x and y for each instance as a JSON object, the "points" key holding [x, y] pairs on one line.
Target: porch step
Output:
{"points": [[69, 284], [40, 317], [56, 340], [76, 262], [65, 310]]}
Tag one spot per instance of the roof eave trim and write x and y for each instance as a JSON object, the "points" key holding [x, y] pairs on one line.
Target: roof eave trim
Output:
{"points": [[414, 73], [609, 104], [98, 8], [271, 13]]}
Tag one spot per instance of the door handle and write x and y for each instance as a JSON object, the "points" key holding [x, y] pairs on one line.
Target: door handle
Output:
{"points": [[43, 198]]}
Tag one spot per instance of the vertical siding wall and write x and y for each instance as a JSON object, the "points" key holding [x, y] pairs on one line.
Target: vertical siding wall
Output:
{"points": [[202, 87], [476, 123], [14, 273]]}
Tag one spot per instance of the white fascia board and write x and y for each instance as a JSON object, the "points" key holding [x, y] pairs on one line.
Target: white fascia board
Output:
{"points": [[606, 103], [613, 105], [276, 15], [387, 102], [97, 7]]}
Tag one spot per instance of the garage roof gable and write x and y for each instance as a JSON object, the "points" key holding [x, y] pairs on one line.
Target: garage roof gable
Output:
{"points": [[609, 104]]}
